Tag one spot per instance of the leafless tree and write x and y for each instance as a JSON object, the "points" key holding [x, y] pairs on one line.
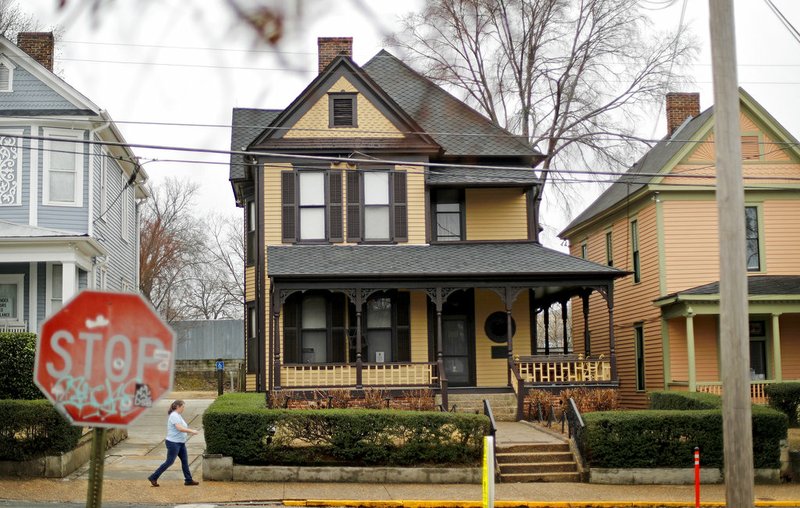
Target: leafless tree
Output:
{"points": [[171, 246], [568, 75]]}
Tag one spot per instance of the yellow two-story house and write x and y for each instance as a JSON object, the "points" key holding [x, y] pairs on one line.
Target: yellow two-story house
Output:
{"points": [[659, 221], [392, 242]]}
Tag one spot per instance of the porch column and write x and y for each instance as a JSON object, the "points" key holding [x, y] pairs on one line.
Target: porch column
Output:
{"points": [[690, 351], [534, 331], [270, 347], [776, 347], [359, 360], [547, 330], [439, 303], [564, 325], [69, 281], [509, 340], [277, 347], [612, 343], [587, 342]]}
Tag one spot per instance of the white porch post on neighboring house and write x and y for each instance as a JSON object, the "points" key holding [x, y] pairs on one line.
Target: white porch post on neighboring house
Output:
{"points": [[690, 351], [69, 284], [777, 371], [33, 308]]}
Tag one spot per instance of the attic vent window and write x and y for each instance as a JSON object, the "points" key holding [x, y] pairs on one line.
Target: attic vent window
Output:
{"points": [[342, 110], [6, 75]]}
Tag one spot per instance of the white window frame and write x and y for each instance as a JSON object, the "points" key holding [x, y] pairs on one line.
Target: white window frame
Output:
{"points": [[124, 218], [48, 287], [68, 136], [8, 64], [19, 280], [16, 133], [367, 202], [125, 285]]}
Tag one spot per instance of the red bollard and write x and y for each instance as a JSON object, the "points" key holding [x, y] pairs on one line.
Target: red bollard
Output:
{"points": [[696, 477]]}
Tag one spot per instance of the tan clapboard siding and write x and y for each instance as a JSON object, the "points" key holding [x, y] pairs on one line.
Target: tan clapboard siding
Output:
{"points": [[371, 122], [496, 214], [631, 304], [782, 236], [415, 178], [706, 350], [790, 346], [769, 150], [272, 202], [678, 354], [494, 372], [250, 382], [419, 327], [250, 283], [691, 244], [768, 173]]}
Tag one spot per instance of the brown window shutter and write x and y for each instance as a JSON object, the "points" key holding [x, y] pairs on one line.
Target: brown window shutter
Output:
{"points": [[288, 206], [291, 329], [750, 148], [335, 219], [353, 206], [402, 304], [400, 206], [338, 335]]}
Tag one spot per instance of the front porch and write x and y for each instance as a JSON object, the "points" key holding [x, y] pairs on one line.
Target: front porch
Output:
{"points": [[479, 330]]}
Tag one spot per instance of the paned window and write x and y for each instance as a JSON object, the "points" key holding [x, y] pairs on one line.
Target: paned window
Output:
{"points": [[342, 110], [63, 168], [609, 249], [448, 206], [56, 288], [252, 349], [312, 205], [376, 206], [251, 233], [751, 237], [638, 333], [637, 275], [126, 208], [314, 328], [6, 74], [314, 335], [758, 350], [11, 298], [385, 333], [583, 250], [103, 184]]}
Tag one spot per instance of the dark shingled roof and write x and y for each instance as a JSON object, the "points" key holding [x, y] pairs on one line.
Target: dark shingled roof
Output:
{"points": [[652, 162], [247, 124], [456, 127], [756, 285], [493, 259], [474, 176]]}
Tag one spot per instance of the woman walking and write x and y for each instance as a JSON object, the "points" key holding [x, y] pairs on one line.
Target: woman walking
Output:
{"points": [[177, 431]]}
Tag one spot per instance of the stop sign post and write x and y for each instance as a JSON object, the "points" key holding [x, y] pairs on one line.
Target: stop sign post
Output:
{"points": [[103, 360]]}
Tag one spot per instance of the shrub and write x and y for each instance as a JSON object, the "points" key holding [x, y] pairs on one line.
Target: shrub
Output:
{"points": [[240, 426], [589, 400], [687, 401], [33, 428], [664, 438], [17, 355], [422, 399], [541, 404], [785, 397]]}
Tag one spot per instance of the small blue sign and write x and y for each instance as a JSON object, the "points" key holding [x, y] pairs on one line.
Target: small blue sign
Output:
{"points": [[220, 365]]}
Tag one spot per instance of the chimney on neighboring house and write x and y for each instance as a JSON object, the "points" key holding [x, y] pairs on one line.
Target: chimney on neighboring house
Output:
{"points": [[331, 47], [39, 45], [681, 106]]}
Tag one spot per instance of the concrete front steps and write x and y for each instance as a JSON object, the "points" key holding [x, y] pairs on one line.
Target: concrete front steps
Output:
{"points": [[504, 404], [537, 462]]}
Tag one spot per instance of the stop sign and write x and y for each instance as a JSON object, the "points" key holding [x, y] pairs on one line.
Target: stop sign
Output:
{"points": [[104, 358]]}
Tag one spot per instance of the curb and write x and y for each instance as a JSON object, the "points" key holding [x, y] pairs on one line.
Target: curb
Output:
{"points": [[514, 504]]}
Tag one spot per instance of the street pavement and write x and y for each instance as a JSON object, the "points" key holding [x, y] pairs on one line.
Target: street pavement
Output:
{"points": [[129, 463]]}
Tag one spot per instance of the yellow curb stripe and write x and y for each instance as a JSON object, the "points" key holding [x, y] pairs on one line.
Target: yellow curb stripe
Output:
{"points": [[512, 504]]}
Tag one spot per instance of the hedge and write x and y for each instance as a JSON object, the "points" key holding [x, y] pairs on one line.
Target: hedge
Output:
{"points": [[239, 425], [33, 428], [661, 438], [17, 354], [785, 397], [684, 401]]}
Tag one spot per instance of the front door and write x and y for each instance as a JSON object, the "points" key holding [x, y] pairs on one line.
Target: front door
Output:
{"points": [[456, 351]]}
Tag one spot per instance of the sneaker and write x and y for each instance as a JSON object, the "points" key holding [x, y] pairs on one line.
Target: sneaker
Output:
{"points": [[191, 482], [154, 483]]}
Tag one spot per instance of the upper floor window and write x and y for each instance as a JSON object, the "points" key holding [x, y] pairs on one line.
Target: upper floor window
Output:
{"points": [[6, 74], [342, 110], [10, 168], [638, 336], [637, 275], [377, 206], [583, 250], [752, 238], [609, 249], [251, 232], [311, 202], [448, 205], [63, 168], [11, 297], [125, 210], [103, 184], [312, 205]]}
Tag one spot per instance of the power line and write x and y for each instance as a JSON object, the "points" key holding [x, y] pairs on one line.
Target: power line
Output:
{"points": [[786, 23], [201, 66], [192, 48]]}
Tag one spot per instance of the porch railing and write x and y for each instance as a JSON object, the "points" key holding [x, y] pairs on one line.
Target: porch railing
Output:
{"points": [[343, 375], [546, 369], [758, 392], [518, 385], [13, 327]]}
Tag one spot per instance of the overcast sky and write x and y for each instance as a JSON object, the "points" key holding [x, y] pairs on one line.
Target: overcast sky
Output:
{"points": [[192, 61]]}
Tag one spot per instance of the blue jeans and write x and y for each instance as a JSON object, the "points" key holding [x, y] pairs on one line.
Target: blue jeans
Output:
{"points": [[174, 450]]}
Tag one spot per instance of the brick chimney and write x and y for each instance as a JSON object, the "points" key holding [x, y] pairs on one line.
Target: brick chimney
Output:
{"points": [[681, 106], [331, 47], [39, 45]]}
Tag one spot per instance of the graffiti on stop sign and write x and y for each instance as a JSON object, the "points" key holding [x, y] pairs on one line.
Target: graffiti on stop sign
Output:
{"points": [[105, 380]]}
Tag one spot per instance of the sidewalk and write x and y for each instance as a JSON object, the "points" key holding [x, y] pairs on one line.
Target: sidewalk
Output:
{"points": [[129, 463]]}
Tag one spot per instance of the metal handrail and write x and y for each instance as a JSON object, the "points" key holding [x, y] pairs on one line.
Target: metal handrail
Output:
{"points": [[576, 427], [487, 410]]}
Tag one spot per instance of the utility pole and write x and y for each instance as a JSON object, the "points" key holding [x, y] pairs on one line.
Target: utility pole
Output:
{"points": [[734, 331]]}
